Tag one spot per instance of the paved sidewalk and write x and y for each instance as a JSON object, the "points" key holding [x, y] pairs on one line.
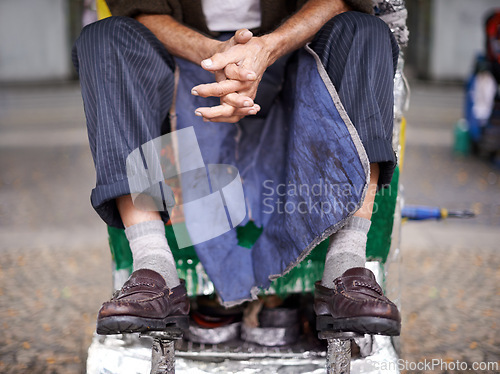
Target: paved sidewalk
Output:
{"points": [[55, 263], [54, 259], [451, 269]]}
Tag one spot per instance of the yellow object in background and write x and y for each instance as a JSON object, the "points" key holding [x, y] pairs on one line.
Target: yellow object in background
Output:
{"points": [[402, 143], [102, 9]]}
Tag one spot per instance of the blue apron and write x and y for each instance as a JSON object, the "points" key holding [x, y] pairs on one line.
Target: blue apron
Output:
{"points": [[303, 168]]}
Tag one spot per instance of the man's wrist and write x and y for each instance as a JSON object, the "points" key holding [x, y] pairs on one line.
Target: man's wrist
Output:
{"points": [[176, 36], [272, 47], [211, 47], [300, 29]]}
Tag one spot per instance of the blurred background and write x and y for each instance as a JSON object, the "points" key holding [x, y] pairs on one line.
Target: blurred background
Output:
{"points": [[55, 265]]}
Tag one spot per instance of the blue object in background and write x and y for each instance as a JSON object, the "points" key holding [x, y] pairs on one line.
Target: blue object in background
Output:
{"points": [[474, 125], [420, 213]]}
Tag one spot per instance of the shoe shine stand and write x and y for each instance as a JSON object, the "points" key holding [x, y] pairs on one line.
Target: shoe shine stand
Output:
{"points": [[163, 351], [338, 355]]}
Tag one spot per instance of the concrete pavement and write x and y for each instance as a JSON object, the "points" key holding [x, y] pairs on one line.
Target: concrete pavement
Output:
{"points": [[55, 264], [451, 269]]}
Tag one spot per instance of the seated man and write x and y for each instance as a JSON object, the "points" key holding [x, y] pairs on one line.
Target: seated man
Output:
{"points": [[285, 115]]}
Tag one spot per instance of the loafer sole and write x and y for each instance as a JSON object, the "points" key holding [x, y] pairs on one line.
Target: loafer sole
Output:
{"points": [[128, 324], [362, 325]]}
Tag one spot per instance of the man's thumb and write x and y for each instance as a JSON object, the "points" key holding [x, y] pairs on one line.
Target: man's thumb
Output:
{"points": [[242, 36]]}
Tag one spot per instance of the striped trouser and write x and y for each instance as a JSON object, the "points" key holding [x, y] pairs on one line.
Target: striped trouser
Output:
{"points": [[127, 84]]}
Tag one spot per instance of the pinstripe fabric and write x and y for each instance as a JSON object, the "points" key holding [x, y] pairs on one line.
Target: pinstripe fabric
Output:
{"points": [[127, 82], [127, 85], [360, 55]]}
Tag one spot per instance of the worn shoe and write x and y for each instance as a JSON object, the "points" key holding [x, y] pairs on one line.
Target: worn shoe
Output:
{"points": [[355, 304], [144, 303]]}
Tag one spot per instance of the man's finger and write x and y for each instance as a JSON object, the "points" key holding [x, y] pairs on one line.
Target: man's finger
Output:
{"points": [[223, 110], [226, 111], [242, 36], [247, 111], [220, 76], [233, 71], [232, 119], [220, 60], [237, 100], [239, 114], [218, 89]]}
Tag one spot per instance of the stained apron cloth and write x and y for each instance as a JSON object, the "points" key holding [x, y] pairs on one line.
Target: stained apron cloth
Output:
{"points": [[303, 165]]}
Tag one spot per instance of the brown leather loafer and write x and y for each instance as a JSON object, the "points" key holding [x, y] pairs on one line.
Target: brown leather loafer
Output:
{"points": [[355, 304], [144, 303]]}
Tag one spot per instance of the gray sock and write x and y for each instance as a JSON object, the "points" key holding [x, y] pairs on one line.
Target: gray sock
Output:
{"points": [[150, 250], [346, 250]]}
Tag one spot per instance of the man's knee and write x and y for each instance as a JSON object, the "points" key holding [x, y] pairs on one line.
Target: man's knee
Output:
{"points": [[106, 31], [113, 36], [356, 25], [96, 38], [357, 31]]}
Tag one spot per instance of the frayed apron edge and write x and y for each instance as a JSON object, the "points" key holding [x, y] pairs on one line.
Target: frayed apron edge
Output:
{"points": [[343, 114], [254, 295], [362, 156]]}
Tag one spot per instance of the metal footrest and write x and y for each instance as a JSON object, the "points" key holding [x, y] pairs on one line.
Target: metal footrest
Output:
{"points": [[338, 356], [163, 350]]}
